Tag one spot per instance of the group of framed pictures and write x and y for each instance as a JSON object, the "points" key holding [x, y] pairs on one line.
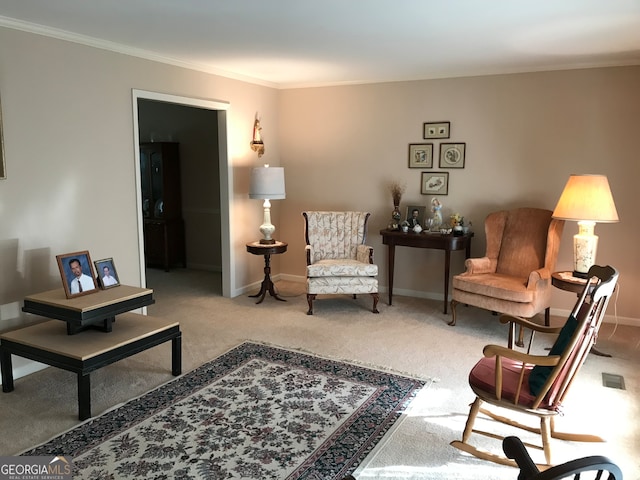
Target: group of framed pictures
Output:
{"points": [[78, 277], [451, 156]]}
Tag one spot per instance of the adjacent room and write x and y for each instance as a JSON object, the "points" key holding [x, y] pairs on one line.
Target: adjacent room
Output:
{"points": [[209, 195]]}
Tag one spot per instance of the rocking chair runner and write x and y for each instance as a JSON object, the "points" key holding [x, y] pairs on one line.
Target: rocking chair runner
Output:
{"points": [[515, 449], [536, 384]]}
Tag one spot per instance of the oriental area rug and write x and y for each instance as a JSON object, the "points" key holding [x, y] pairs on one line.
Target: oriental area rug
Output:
{"points": [[256, 412]]}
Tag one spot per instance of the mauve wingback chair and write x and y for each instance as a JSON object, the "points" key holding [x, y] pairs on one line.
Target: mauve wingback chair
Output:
{"points": [[514, 276], [338, 261]]}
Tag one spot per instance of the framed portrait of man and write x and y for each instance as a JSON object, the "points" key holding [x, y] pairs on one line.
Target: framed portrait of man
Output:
{"points": [[77, 275], [107, 275]]}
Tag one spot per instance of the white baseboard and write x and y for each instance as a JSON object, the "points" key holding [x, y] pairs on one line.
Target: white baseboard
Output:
{"points": [[634, 322]]}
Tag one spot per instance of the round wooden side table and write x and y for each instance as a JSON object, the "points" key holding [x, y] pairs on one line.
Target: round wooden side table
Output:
{"points": [[566, 281], [267, 249]]}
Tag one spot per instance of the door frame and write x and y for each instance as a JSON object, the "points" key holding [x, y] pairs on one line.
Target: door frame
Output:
{"points": [[226, 177]]}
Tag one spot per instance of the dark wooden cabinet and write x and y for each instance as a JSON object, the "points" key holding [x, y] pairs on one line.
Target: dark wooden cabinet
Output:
{"points": [[164, 243]]}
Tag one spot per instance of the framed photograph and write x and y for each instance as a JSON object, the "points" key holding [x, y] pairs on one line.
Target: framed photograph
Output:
{"points": [[436, 130], [421, 155], [452, 155], [107, 275], [416, 215], [76, 271], [436, 183]]}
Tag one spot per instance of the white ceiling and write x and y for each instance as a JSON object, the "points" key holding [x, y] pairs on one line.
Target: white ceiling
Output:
{"points": [[298, 43]]}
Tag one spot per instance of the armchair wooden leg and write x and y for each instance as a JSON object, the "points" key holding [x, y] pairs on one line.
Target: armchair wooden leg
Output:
{"points": [[310, 298], [453, 312], [376, 297]]}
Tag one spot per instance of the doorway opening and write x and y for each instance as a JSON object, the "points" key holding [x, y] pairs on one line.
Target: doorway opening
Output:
{"points": [[200, 127]]}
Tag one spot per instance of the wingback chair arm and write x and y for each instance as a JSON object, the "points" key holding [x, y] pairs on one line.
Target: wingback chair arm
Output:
{"points": [[506, 318], [364, 254], [537, 276], [308, 249], [480, 265], [500, 351]]}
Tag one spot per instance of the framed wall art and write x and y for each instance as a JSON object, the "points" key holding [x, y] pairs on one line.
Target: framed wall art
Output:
{"points": [[421, 155], [436, 130], [107, 275], [434, 183], [452, 155], [76, 271]]}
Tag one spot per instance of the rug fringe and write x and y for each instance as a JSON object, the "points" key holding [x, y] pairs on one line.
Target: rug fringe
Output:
{"points": [[379, 368]]}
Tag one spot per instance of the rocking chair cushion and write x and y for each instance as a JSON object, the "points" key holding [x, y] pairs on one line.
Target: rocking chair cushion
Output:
{"points": [[540, 373], [483, 377]]}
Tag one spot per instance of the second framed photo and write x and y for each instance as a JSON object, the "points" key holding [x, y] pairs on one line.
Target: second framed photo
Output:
{"points": [[452, 155], [421, 155], [416, 215], [436, 183], [107, 275]]}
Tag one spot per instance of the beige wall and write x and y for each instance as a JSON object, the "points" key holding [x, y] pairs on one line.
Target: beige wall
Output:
{"points": [[68, 129], [525, 135]]}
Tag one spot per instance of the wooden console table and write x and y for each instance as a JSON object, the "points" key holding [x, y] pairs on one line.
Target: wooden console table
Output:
{"points": [[48, 343], [437, 241], [99, 308]]}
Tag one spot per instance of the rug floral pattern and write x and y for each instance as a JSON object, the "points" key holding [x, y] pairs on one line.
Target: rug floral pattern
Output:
{"points": [[256, 412]]}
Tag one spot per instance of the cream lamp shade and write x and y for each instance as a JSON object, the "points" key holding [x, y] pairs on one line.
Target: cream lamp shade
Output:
{"points": [[267, 183], [586, 199]]}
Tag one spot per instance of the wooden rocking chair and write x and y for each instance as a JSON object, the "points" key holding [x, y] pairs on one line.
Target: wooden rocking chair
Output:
{"points": [[537, 384]]}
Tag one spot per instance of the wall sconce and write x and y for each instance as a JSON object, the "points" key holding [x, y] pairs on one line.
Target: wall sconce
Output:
{"points": [[267, 183], [586, 199], [257, 145]]}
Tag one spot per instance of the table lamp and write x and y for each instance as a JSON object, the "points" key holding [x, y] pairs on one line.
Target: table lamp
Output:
{"points": [[267, 183], [586, 199]]}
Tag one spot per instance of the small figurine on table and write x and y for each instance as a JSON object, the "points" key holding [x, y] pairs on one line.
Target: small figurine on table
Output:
{"points": [[436, 208]]}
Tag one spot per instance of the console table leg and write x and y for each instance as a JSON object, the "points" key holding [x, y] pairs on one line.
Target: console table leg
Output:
{"points": [[7, 371], [391, 266], [176, 356], [84, 396], [447, 265]]}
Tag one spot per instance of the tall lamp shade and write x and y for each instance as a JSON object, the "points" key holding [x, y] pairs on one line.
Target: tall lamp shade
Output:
{"points": [[586, 199], [267, 183]]}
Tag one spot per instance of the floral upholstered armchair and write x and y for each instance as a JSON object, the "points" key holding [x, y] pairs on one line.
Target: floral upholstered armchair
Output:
{"points": [[338, 261]]}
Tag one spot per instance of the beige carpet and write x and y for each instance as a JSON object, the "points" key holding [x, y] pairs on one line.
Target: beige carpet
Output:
{"points": [[409, 337]]}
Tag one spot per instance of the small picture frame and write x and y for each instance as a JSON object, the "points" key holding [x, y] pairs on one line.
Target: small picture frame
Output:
{"points": [[76, 271], [434, 183], [416, 214], [436, 130], [106, 273], [421, 155], [452, 155]]}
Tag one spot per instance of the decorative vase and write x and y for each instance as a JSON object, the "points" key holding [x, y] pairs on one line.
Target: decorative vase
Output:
{"points": [[395, 218]]}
